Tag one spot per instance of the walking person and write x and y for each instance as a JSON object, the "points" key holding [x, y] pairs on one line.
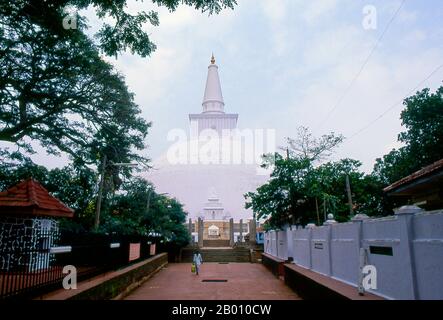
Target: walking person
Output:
{"points": [[197, 260]]}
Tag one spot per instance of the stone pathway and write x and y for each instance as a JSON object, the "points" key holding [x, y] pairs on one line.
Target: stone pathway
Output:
{"points": [[246, 281]]}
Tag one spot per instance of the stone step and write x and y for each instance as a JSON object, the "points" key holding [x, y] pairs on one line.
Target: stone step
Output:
{"points": [[216, 243], [218, 255]]}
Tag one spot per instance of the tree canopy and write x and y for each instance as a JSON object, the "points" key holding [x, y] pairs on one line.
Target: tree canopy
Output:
{"points": [[297, 188], [303, 189], [126, 32], [423, 138], [137, 209], [57, 90]]}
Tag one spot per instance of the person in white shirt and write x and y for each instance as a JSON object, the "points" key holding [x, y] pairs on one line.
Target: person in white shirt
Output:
{"points": [[197, 259]]}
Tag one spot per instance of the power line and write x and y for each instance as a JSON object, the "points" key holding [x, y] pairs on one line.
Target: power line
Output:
{"points": [[354, 80], [397, 103]]}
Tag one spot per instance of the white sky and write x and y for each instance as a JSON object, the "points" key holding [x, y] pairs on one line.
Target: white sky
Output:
{"points": [[286, 63]]}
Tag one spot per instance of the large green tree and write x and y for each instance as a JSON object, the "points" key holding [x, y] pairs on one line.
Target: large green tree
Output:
{"points": [[137, 209], [141, 210], [286, 196], [56, 89], [423, 138], [126, 31], [327, 185], [302, 189], [74, 186]]}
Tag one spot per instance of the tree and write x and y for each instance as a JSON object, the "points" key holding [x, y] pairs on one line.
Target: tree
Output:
{"points": [[423, 138], [140, 210], [74, 186], [423, 119], [62, 94], [126, 213], [301, 188], [394, 166], [55, 88], [328, 182], [127, 31], [286, 197], [14, 167], [306, 146]]}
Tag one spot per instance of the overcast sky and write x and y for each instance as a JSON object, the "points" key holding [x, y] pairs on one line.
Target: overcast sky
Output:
{"points": [[286, 63]]}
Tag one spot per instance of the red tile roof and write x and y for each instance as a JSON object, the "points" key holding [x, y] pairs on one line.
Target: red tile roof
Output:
{"points": [[436, 166], [30, 198]]}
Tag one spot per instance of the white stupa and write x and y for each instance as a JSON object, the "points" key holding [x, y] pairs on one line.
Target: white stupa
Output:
{"points": [[211, 170]]}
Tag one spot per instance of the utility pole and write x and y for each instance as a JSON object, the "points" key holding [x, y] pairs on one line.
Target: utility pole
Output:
{"points": [[100, 194], [348, 190], [101, 186], [324, 208], [149, 201], [316, 207]]}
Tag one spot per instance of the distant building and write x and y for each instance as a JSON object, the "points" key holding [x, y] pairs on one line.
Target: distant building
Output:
{"points": [[213, 209], [260, 235], [423, 188]]}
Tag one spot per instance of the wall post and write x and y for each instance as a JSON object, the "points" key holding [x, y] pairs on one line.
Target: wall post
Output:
{"points": [[200, 232], [405, 215], [231, 232], [190, 230], [310, 227], [252, 232], [241, 230]]}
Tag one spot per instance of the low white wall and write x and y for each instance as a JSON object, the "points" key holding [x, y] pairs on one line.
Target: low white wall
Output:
{"points": [[282, 245], [428, 254], [301, 247], [320, 246], [345, 242], [406, 249]]}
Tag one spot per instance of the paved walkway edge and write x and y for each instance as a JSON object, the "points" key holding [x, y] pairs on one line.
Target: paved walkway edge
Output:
{"points": [[234, 281], [312, 285], [139, 283], [111, 284]]}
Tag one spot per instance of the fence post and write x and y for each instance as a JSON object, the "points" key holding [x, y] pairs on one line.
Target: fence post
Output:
{"points": [[329, 242], [289, 242], [231, 232], [310, 227], [328, 224], [252, 232], [190, 230], [404, 216], [200, 233], [241, 231], [276, 243], [359, 218]]}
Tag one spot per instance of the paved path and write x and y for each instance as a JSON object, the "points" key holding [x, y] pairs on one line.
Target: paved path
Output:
{"points": [[246, 281]]}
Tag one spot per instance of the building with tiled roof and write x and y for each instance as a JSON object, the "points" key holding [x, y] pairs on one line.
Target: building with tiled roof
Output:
{"points": [[29, 225], [423, 188], [30, 198]]}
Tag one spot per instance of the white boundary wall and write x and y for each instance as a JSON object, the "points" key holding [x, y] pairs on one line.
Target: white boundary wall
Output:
{"points": [[406, 249]]}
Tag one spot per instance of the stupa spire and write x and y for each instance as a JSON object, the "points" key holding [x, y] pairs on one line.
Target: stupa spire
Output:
{"points": [[213, 98]]}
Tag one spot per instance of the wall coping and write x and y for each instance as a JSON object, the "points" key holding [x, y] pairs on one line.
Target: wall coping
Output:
{"points": [[276, 259], [88, 284], [343, 289]]}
